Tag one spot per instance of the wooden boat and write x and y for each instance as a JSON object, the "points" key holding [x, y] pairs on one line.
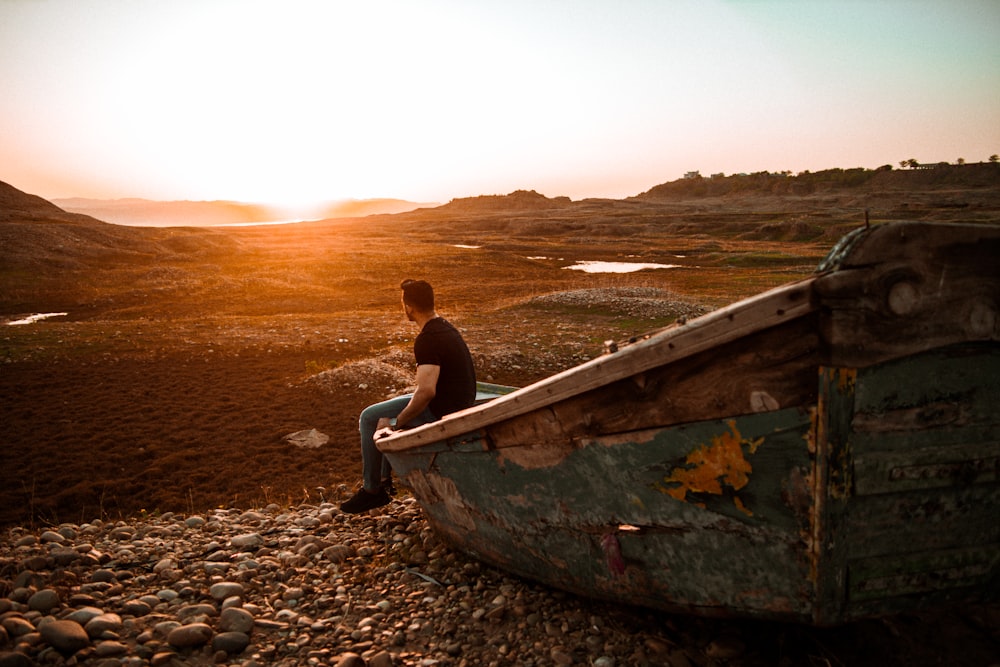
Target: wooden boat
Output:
{"points": [[824, 451]]}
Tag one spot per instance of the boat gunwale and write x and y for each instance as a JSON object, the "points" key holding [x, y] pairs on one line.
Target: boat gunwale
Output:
{"points": [[778, 305]]}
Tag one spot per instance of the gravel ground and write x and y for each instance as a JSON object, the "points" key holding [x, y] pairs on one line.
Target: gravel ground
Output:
{"points": [[639, 302], [302, 586], [309, 585]]}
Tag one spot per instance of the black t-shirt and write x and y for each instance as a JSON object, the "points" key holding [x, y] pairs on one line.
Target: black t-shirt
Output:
{"points": [[440, 344]]}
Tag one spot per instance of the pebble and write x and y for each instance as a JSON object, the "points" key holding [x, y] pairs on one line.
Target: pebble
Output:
{"points": [[304, 585], [64, 636], [43, 601], [193, 634], [236, 620]]}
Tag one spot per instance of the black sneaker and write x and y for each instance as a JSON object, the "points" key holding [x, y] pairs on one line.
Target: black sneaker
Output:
{"points": [[365, 500]]}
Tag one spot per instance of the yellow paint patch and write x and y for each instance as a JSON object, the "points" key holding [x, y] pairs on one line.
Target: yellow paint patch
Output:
{"points": [[741, 507], [846, 379], [709, 468]]}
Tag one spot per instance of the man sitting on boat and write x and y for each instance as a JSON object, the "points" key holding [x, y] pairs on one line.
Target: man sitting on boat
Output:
{"points": [[446, 383]]}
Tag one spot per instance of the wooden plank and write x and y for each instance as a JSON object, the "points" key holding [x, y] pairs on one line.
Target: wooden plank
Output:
{"points": [[926, 480], [831, 480], [766, 310], [949, 388], [938, 466], [912, 573], [906, 288], [923, 521], [772, 370], [910, 241]]}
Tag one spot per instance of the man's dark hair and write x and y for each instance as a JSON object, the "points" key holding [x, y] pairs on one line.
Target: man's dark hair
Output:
{"points": [[418, 294]]}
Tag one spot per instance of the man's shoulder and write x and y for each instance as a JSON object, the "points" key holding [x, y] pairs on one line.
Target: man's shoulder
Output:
{"points": [[438, 325]]}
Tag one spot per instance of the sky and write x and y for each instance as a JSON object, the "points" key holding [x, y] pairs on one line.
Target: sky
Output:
{"points": [[299, 101]]}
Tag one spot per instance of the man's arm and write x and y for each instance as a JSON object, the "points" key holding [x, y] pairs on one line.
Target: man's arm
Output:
{"points": [[427, 378]]}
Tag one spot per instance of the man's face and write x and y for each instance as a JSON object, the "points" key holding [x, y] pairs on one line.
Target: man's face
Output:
{"points": [[407, 309]]}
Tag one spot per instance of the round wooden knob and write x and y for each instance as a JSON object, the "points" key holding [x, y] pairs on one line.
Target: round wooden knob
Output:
{"points": [[903, 298]]}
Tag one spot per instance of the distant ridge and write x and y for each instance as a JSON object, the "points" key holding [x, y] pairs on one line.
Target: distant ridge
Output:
{"points": [[356, 208], [152, 213], [943, 176], [518, 200], [144, 212]]}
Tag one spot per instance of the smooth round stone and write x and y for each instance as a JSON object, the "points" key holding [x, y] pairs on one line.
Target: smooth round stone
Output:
{"points": [[194, 521], [164, 628], [65, 636], [83, 615], [234, 601], [235, 619], [150, 599], [230, 642], [110, 649], [14, 659], [162, 659], [17, 626], [51, 536], [99, 625], [166, 594], [136, 608], [65, 556], [225, 589], [104, 575], [44, 601], [351, 660], [187, 636], [196, 610], [34, 563], [164, 564], [216, 568], [247, 541]]}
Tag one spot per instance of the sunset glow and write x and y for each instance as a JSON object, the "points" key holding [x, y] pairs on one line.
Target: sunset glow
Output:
{"points": [[304, 101]]}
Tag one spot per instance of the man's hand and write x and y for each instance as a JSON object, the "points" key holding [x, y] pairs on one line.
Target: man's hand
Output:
{"points": [[384, 428]]}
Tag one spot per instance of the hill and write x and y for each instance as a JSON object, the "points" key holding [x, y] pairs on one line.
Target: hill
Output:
{"points": [[51, 258], [16, 205], [979, 176]]}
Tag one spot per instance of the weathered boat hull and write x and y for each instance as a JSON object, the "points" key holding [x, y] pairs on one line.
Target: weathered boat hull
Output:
{"points": [[826, 451]]}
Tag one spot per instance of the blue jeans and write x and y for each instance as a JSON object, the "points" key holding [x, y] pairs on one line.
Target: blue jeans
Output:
{"points": [[375, 466]]}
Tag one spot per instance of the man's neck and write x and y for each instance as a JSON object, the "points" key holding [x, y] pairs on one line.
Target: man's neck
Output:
{"points": [[420, 319]]}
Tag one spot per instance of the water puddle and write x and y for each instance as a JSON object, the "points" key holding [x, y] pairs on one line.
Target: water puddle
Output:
{"points": [[617, 267], [31, 319]]}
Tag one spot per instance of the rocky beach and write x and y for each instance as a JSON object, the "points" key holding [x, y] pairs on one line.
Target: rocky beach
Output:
{"points": [[309, 585]]}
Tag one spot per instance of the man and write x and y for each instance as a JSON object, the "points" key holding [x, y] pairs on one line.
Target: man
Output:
{"points": [[446, 383]]}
